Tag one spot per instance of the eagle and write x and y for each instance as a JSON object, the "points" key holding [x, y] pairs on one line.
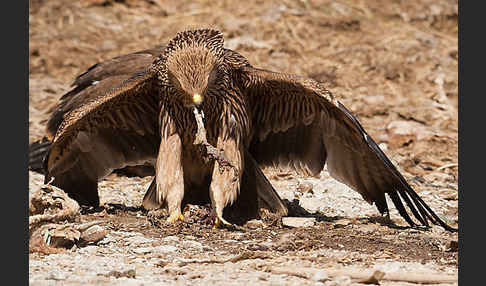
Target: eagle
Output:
{"points": [[139, 110]]}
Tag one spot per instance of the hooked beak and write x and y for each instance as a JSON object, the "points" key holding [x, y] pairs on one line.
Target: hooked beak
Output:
{"points": [[197, 99]]}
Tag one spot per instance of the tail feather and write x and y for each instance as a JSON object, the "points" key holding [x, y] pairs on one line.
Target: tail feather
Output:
{"points": [[151, 199], [267, 196], [37, 152]]}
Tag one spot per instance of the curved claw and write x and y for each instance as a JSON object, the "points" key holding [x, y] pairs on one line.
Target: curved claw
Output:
{"points": [[221, 222], [173, 218]]}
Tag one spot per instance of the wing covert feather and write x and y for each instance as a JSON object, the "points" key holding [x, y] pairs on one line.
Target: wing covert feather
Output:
{"points": [[117, 128], [97, 79], [297, 123]]}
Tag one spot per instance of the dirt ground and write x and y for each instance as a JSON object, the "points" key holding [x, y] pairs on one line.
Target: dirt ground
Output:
{"points": [[393, 63]]}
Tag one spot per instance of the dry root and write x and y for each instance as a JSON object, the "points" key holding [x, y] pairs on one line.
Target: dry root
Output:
{"points": [[366, 277], [210, 153]]}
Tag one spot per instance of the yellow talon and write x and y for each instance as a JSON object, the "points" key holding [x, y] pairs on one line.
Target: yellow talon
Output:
{"points": [[173, 218], [216, 223], [220, 222]]}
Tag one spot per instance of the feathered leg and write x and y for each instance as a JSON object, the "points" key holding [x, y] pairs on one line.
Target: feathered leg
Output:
{"points": [[225, 183], [169, 176]]}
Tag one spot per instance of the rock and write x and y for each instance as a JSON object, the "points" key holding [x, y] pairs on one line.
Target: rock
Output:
{"points": [[108, 45], [369, 228], [255, 223], [130, 273], [54, 235], [50, 204], [88, 250], [143, 250], [58, 276], [287, 195], [402, 132], [247, 41], [171, 238], [164, 249], [298, 221], [305, 187], [341, 223], [93, 234], [137, 240], [192, 244], [310, 204], [286, 239], [320, 276], [66, 235], [342, 281]]}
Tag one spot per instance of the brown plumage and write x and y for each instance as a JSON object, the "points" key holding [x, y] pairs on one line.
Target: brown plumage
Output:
{"points": [[140, 112]]}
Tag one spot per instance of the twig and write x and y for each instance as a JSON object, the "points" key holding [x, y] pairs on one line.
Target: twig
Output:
{"points": [[85, 226], [366, 277], [447, 166], [290, 271], [211, 153], [36, 220], [242, 256], [374, 278]]}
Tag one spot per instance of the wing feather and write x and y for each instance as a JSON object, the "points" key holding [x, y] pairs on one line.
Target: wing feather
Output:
{"points": [[114, 128], [98, 78], [296, 121]]}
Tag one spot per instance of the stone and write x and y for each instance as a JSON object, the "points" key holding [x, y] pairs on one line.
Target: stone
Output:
{"points": [[298, 221], [320, 276]]}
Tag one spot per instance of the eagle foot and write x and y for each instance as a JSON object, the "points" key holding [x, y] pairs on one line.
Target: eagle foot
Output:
{"points": [[220, 222], [173, 218]]}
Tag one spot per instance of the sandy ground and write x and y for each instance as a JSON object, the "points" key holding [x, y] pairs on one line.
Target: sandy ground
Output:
{"points": [[394, 63]]}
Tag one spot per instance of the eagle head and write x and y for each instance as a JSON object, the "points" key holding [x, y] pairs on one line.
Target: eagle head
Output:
{"points": [[193, 60]]}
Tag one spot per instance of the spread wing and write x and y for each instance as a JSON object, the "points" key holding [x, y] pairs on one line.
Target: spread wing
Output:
{"points": [[97, 79], [298, 124], [112, 127]]}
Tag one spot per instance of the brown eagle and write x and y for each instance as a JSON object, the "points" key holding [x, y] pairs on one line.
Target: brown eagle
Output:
{"points": [[137, 109]]}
